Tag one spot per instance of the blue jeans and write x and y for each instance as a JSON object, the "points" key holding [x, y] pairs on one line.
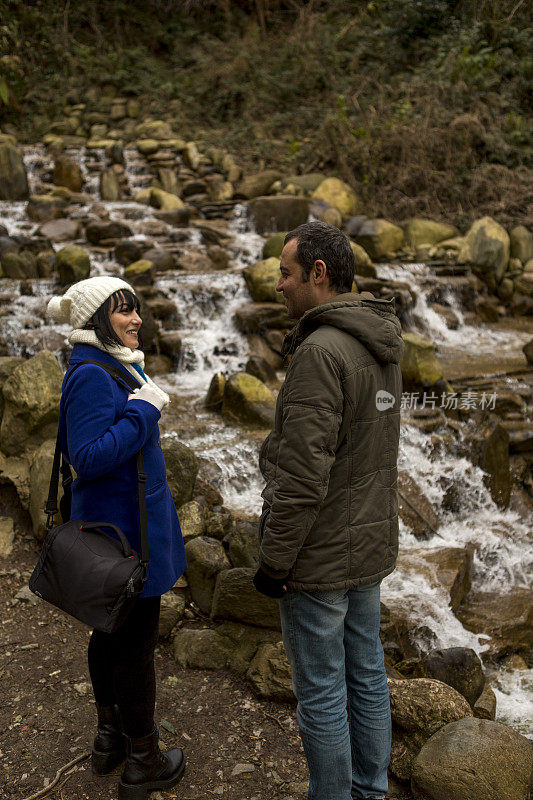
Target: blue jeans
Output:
{"points": [[332, 641]]}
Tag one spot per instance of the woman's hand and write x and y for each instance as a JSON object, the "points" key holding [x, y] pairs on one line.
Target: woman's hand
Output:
{"points": [[149, 395]]}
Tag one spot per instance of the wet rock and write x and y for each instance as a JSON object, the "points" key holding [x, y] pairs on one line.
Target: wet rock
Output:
{"points": [[158, 364], [165, 201], [521, 241], [215, 393], [248, 399], [261, 279], [205, 559], [524, 284], [191, 156], [339, 195], [68, 173], [380, 238], [182, 469], [154, 129], [419, 708], [219, 190], [487, 247], [485, 705], [459, 667], [505, 616], [31, 396], [73, 264], [260, 317], [44, 207], [420, 366], [528, 351], [363, 262], [506, 289], [274, 245], [206, 490], [60, 230], [242, 544], [192, 516], [278, 213], [170, 342], [103, 233], [486, 309], [425, 231], [473, 759], [161, 259], [270, 673], [260, 369], [7, 535], [258, 184], [488, 448], [13, 180], [40, 471], [127, 251], [19, 265], [219, 256], [236, 598], [258, 347], [162, 309], [148, 147], [219, 523], [140, 273], [414, 508], [110, 190], [446, 567]]}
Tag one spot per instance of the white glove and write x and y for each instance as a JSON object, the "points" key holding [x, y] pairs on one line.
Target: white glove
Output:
{"points": [[150, 395]]}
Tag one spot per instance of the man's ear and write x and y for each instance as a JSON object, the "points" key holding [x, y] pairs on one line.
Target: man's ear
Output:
{"points": [[320, 272]]}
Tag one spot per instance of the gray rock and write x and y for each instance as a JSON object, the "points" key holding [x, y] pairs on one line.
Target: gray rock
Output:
{"points": [[270, 673], [459, 667], [60, 230], [106, 232], [243, 544], [182, 469], [248, 399], [192, 516], [236, 598], [205, 559], [485, 705], [261, 317], [172, 608], [473, 759]]}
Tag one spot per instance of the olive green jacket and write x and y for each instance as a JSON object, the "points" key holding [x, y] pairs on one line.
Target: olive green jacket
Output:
{"points": [[330, 516]]}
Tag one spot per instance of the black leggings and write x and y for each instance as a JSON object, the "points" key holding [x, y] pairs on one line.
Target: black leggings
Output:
{"points": [[121, 665]]}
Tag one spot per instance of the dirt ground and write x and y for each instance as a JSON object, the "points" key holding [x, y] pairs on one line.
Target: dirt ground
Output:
{"points": [[237, 747]]}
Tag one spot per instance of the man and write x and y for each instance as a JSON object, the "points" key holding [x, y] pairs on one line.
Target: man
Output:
{"points": [[329, 527]]}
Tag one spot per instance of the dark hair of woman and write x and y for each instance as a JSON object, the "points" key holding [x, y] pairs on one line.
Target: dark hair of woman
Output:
{"points": [[100, 322]]}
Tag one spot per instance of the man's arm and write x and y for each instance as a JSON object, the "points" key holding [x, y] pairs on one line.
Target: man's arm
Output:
{"points": [[312, 415]]}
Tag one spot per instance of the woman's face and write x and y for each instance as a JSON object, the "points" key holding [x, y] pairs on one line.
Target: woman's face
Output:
{"points": [[126, 323]]}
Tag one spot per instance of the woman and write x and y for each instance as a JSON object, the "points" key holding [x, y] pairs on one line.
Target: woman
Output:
{"points": [[102, 426]]}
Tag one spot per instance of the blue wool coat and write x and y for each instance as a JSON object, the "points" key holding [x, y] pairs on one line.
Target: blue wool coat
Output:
{"points": [[100, 434]]}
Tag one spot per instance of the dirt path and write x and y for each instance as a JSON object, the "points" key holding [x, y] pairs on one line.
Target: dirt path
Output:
{"points": [[237, 747]]}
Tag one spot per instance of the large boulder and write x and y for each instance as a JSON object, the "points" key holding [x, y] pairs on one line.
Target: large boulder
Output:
{"points": [[154, 129], [228, 646], [419, 364], [258, 184], [19, 266], [248, 399], [236, 598], [380, 238], [473, 759], [242, 544], [521, 241], [31, 396], [182, 468], [414, 508], [68, 173], [488, 446], [274, 245], [280, 213], [260, 317], [40, 471], [13, 180], [140, 273], [425, 231], [165, 201], [270, 673], [205, 559], [73, 264], [487, 247], [104, 233], [261, 279], [505, 616], [339, 195], [459, 667], [419, 708]]}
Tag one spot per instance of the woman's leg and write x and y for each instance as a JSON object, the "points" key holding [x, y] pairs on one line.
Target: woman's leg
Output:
{"points": [[100, 656]]}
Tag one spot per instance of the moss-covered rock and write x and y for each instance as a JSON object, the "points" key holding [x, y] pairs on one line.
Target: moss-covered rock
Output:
{"points": [[205, 559], [31, 396], [73, 264], [103, 233], [243, 544], [248, 399], [172, 608], [13, 179], [521, 241], [258, 184], [426, 231], [236, 598], [19, 266], [192, 517], [147, 147], [191, 156], [182, 468], [380, 238], [140, 273], [154, 129], [274, 245], [215, 393], [487, 247], [419, 364], [363, 262], [339, 195], [44, 207], [165, 201], [262, 279]]}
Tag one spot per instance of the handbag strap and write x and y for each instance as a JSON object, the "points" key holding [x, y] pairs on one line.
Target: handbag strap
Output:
{"points": [[51, 503]]}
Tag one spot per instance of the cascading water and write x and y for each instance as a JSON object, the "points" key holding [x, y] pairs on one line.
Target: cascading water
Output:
{"points": [[205, 303]]}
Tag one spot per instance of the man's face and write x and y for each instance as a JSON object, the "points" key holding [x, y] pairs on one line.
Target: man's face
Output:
{"points": [[299, 294]]}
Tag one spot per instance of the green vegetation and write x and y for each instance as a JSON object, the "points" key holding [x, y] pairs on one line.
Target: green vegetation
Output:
{"points": [[424, 106]]}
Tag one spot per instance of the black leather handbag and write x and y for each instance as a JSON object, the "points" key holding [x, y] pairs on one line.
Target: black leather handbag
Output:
{"points": [[83, 570]]}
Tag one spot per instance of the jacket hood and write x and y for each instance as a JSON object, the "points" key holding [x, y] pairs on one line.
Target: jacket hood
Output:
{"points": [[373, 322]]}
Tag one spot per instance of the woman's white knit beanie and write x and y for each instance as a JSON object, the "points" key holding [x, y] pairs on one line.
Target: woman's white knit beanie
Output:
{"points": [[79, 303]]}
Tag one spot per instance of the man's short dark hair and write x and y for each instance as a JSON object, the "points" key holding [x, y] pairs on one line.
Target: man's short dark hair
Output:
{"points": [[325, 242]]}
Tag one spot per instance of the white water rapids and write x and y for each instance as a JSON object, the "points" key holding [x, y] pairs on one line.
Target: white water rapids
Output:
{"points": [[205, 304]]}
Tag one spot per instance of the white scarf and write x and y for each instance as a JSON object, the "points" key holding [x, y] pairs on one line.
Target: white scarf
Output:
{"points": [[123, 354]]}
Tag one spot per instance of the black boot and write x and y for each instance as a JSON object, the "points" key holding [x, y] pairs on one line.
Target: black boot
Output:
{"points": [[109, 747], [148, 769]]}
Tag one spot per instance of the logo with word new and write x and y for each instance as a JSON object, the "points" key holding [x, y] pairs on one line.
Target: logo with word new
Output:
{"points": [[384, 400]]}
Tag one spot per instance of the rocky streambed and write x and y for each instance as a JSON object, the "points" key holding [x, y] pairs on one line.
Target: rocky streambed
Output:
{"points": [[199, 241]]}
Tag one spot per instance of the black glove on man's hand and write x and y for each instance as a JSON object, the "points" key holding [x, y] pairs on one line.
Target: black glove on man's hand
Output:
{"points": [[272, 587]]}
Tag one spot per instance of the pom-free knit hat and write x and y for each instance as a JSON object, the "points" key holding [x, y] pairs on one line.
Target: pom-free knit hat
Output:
{"points": [[80, 302]]}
